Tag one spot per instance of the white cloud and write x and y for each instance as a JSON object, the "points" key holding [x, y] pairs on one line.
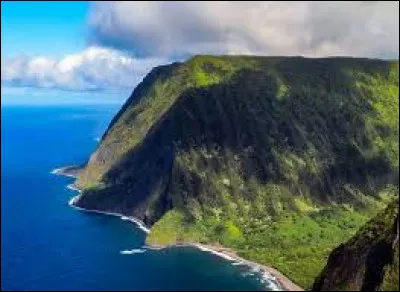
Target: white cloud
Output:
{"points": [[170, 29], [162, 31], [92, 69]]}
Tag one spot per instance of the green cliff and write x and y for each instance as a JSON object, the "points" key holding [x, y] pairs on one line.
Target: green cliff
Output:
{"points": [[281, 158], [369, 261]]}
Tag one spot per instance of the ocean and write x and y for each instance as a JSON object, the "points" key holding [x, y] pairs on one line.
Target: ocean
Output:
{"points": [[46, 244]]}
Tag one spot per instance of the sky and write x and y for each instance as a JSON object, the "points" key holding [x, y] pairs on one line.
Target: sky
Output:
{"points": [[97, 52]]}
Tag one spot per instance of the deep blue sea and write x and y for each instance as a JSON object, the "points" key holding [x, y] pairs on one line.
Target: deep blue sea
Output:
{"points": [[46, 244]]}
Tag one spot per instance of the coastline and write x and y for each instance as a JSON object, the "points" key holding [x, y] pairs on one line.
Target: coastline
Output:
{"points": [[70, 171], [138, 222], [278, 281], [73, 171]]}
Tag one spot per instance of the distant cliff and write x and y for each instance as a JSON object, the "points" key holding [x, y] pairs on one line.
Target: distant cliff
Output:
{"points": [[281, 158], [369, 261]]}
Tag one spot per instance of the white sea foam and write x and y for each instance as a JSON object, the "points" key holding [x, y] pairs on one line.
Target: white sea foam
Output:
{"points": [[152, 247], [132, 251], [217, 253], [138, 223], [56, 171], [72, 202], [264, 276], [270, 281], [60, 171], [255, 269], [267, 279], [73, 188], [69, 175]]}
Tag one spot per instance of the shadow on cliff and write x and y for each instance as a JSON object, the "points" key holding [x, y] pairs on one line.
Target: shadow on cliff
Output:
{"points": [[258, 119]]}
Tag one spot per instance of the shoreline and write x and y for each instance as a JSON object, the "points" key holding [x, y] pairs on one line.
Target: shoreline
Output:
{"points": [[69, 171], [66, 171], [277, 280], [269, 273], [138, 222]]}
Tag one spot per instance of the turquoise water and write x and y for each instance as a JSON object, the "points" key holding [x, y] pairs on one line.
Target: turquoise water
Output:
{"points": [[46, 244]]}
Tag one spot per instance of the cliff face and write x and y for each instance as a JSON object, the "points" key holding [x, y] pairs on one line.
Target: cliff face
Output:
{"points": [[369, 261], [264, 154]]}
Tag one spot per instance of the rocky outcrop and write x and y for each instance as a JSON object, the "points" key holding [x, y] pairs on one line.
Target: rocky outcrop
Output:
{"points": [[367, 262]]}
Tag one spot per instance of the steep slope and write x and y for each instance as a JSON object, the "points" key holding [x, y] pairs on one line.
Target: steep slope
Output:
{"points": [[369, 261], [263, 154]]}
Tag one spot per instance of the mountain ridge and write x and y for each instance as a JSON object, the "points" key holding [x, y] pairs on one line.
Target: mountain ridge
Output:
{"points": [[230, 149]]}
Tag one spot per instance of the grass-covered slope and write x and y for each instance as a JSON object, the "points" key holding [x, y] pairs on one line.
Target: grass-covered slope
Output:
{"points": [[281, 158], [369, 261]]}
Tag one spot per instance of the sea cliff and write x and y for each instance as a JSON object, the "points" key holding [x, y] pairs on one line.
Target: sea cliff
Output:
{"points": [[280, 158]]}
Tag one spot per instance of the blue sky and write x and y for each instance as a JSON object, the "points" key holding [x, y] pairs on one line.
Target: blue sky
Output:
{"points": [[73, 52], [45, 28]]}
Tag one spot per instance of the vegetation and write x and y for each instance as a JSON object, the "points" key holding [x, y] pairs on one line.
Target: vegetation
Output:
{"points": [[298, 244], [369, 261], [281, 158]]}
